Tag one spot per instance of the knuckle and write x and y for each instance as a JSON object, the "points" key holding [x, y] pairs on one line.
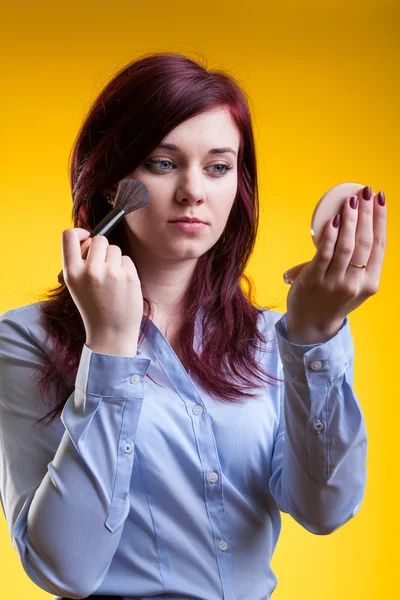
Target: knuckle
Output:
{"points": [[380, 241], [92, 273], [130, 268], [325, 255], [352, 291], [131, 276], [127, 261], [100, 239], [345, 249], [364, 243], [372, 289], [113, 273], [66, 233], [348, 289]]}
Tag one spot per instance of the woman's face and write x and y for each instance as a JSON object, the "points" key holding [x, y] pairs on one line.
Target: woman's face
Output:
{"points": [[188, 181]]}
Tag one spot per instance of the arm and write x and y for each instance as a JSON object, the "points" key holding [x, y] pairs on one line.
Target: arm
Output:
{"points": [[64, 488], [319, 460]]}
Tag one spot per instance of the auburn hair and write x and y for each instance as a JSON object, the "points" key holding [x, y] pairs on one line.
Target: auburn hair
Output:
{"points": [[130, 117]]}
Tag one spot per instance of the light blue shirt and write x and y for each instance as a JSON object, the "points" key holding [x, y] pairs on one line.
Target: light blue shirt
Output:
{"points": [[147, 489]]}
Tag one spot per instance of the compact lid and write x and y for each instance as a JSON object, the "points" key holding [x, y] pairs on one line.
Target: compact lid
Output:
{"points": [[329, 205]]}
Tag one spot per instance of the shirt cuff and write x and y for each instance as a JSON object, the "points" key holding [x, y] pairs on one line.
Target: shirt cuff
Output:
{"points": [[108, 375], [315, 363]]}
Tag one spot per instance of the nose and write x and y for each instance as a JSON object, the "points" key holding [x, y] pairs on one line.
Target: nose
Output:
{"points": [[191, 187]]}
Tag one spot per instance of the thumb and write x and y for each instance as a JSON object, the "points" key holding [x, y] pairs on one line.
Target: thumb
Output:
{"points": [[292, 273]]}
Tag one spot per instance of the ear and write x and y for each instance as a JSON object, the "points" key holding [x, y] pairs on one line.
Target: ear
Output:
{"points": [[110, 191]]}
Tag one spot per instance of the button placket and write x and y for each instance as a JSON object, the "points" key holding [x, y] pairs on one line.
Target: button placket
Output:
{"points": [[213, 477], [128, 447]]}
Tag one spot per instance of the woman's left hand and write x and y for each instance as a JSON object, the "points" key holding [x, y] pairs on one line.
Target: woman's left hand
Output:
{"points": [[328, 288]]}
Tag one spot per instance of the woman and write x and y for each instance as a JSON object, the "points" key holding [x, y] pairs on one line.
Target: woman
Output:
{"points": [[169, 454]]}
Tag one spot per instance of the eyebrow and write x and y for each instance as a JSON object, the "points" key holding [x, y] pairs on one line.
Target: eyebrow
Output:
{"points": [[212, 151]]}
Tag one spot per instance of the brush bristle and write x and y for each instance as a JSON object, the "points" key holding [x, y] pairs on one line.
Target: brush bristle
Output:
{"points": [[131, 195]]}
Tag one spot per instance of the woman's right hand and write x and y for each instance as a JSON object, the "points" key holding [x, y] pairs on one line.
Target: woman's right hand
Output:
{"points": [[106, 290]]}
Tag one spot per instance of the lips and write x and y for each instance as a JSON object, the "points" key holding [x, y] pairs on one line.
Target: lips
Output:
{"points": [[187, 220], [187, 226]]}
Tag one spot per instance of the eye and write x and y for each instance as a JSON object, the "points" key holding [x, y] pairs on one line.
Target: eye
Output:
{"points": [[225, 166], [152, 163]]}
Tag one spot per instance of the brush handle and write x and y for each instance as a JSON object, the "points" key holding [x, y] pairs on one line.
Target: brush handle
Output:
{"points": [[104, 227]]}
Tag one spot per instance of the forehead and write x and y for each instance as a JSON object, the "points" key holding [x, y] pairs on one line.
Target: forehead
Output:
{"points": [[208, 129]]}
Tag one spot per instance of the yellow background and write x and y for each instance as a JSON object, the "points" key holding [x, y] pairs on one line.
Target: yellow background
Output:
{"points": [[323, 83]]}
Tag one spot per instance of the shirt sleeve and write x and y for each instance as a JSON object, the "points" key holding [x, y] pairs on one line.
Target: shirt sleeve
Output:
{"points": [[64, 487], [318, 472]]}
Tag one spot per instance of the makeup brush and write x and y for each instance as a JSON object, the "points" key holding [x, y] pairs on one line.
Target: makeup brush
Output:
{"points": [[131, 195]]}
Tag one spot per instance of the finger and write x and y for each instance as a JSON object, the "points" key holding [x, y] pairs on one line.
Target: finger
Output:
{"points": [[97, 254], [325, 251], [71, 247], [345, 244], [364, 235], [375, 262], [114, 255]]}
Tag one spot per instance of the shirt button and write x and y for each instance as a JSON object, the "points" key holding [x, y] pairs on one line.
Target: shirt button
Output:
{"points": [[128, 447], [198, 409], [135, 379], [318, 425], [223, 545], [213, 477], [288, 357], [316, 365]]}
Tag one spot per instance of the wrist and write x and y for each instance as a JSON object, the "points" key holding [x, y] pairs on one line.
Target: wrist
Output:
{"points": [[306, 337], [128, 351], [105, 344], [312, 334]]}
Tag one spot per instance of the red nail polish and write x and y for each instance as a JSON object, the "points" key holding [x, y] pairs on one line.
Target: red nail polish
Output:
{"points": [[336, 221], [354, 201], [381, 198], [366, 193]]}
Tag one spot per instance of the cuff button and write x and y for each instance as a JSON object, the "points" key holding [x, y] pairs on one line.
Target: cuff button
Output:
{"points": [[316, 365]]}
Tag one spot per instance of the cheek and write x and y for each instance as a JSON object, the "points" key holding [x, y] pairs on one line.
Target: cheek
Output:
{"points": [[137, 221], [144, 222], [228, 203]]}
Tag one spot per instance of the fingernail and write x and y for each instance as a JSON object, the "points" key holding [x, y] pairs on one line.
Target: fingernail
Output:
{"points": [[336, 221], [354, 201], [381, 198], [366, 193]]}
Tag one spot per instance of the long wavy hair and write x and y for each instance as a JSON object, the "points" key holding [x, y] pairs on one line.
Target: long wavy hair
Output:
{"points": [[131, 116]]}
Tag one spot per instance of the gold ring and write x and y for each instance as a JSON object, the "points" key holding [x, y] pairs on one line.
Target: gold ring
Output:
{"points": [[358, 266]]}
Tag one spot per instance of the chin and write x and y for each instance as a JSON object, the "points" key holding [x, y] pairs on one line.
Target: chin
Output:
{"points": [[187, 251]]}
